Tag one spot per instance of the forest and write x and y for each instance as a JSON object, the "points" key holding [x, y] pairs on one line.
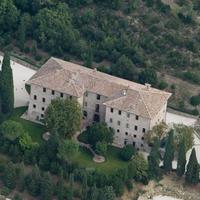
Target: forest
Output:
{"points": [[135, 33]]}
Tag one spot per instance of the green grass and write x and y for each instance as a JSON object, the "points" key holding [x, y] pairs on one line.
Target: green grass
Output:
{"points": [[35, 130], [84, 159]]}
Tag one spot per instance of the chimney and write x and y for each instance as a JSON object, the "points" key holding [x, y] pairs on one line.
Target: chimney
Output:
{"points": [[148, 86]]}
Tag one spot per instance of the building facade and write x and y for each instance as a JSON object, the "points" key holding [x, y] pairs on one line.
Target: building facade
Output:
{"points": [[129, 108]]}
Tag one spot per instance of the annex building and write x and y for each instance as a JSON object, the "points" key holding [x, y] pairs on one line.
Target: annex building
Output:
{"points": [[131, 109]]}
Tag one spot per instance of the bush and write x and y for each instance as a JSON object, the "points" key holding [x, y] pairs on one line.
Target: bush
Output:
{"points": [[195, 100], [127, 152], [38, 57], [5, 191], [26, 50], [129, 185], [17, 197], [101, 148], [195, 112], [162, 85]]}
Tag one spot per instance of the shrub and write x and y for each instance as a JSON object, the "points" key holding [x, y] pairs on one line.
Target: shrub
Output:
{"points": [[162, 85], [127, 152], [195, 112], [5, 191], [101, 148], [17, 197], [129, 185], [195, 100], [26, 50]]}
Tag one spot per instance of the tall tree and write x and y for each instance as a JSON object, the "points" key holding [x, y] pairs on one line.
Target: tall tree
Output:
{"points": [[22, 33], [169, 152], [34, 182], [9, 176], [148, 76], [154, 161], [60, 187], [46, 187], [181, 162], [67, 149], [6, 86], [71, 190], [63, 117], [124, 68], [192, 173]]}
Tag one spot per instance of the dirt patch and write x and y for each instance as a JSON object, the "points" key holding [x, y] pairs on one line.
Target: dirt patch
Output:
{"points": [[168, 186], [183, 91]]}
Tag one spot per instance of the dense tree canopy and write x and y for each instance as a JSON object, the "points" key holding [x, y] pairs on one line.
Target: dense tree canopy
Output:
{"points": [[99, 132], [93, 30], [63, 117]]}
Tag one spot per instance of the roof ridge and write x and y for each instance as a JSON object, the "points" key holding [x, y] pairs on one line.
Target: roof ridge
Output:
{"points": [[115, 99], [144, 104]]}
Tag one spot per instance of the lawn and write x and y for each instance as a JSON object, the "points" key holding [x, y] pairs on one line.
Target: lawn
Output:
{"points": [[84, 159], [34, 130]]}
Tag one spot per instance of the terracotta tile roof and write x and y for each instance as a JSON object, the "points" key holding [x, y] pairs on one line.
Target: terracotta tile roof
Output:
{"points": [[73, 79]]}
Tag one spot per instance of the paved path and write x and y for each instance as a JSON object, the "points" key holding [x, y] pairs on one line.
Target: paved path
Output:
{"points": [[96, 157]]}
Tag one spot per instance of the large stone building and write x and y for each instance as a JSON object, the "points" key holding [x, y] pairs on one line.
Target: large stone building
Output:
{"points": [[131, 109]]}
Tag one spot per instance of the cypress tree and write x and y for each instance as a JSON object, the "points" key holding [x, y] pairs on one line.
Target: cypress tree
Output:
{"points": [[154, 161], [71, 189], [169, 152], [22, 33], [181, 162], [9, 176], [192, 173], [60, 187], [46, 187], [6, 86], [34, 182]]}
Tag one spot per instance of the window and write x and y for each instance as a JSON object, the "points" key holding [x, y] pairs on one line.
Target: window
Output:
{"points": [[128, 115], [34, 106], [42, 108], [118, 123], [111, 120], [143, 130], [85, 113], [134, 144], [35, 97], [127, 125], [141, 145], [137, 117], [42, 115], [119, 112], [142, 138], [97, 108], [125, 142], [126, 133], [98, 97], [118, 130], [85, 104], [43, 99], [135, 136], [70, 97], [111, 110], [61, 95], [52, 92], [136, 128], [44, 90], [86, 94]]}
